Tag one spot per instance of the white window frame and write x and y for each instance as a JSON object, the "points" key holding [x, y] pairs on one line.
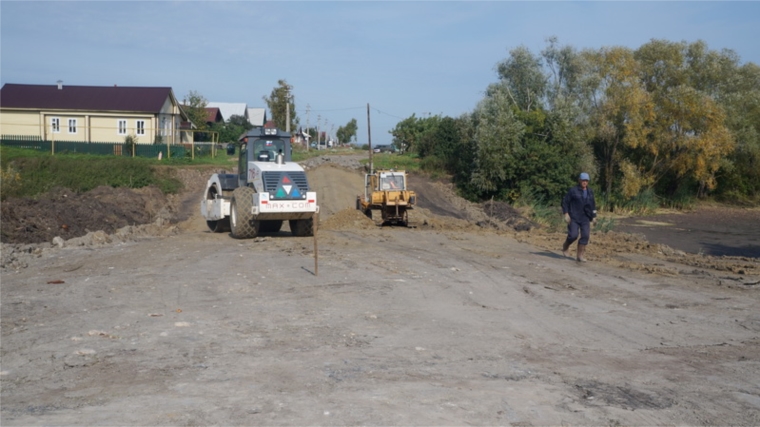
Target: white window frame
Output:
{"points": [[140, 127], [166, 126], [121, 126], [55, 124], [72, 126]]}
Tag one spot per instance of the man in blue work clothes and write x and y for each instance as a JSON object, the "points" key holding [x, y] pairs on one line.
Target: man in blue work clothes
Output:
{"points": [[579, 210]]}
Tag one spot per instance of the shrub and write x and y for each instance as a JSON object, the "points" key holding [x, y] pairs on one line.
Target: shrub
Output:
{"points": [[82, 173], [10, 181]]}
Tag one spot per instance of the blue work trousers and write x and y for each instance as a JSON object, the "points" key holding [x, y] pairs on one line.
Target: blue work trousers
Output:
{"points": [[575, 226]]}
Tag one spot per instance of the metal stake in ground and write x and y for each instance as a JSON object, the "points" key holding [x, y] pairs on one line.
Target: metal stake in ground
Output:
{"points": [[315, 222]]}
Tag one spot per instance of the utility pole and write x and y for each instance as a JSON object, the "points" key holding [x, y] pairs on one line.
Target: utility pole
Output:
{"points": [[287, 107], [369, 140], [308, 108], [287, 113], [319, 121]]}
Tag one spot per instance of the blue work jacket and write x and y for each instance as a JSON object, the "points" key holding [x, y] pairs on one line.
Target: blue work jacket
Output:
{"points": [[580, 209]]}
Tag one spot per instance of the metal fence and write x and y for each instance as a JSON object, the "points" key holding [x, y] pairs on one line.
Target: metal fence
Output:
{"points": [[106, 148]]}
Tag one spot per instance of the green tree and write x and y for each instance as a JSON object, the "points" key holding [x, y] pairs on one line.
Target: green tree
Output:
{"points": [[740, 176], [406, 134], [194, 105], [522, 149], [567, 83], [231, 131], [278, 101], [347, 133], [690, 140], [498, 134], [620, 114], [523, 79]]}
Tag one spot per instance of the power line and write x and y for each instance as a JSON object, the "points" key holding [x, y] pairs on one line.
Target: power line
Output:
{"points": [[316, 110], [387, 114], [337, 109]]}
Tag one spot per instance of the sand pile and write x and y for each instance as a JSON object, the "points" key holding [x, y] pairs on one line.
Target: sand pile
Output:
{"points": [[347, 219]]}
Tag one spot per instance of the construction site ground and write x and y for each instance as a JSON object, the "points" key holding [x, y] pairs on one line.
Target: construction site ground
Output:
{"points": [[471, 316]]}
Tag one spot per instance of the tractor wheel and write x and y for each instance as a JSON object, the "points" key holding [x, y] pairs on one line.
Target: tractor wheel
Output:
{"points": [[302, 227], [242, 224], [271, 226]]}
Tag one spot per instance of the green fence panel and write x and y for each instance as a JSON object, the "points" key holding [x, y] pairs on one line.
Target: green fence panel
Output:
{"points": [[30, 145], [177, 151], [150, 150], [24, 141], [62, 147], [104, 148], [100, 148]]}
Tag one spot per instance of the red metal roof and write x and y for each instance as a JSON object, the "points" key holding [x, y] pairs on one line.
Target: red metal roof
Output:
{"points": [[97, 98], [213, 115]]}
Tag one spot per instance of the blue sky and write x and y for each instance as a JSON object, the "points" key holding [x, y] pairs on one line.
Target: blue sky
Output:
{"points": [[428, 57]]}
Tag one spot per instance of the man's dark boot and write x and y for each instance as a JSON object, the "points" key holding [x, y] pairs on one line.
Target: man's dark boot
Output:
{"points": [[581, 251], [566, 248]]}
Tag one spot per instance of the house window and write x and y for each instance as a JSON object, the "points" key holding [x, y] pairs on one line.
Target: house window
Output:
{"points": [[140, 125], [55, 124], [72, 125], [121, 127]]}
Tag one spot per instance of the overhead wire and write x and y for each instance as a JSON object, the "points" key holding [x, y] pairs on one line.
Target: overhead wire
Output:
{"points": [[315, 110]]}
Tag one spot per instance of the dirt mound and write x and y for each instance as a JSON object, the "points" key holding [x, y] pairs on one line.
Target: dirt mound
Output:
{"points": [[336, 187], [347, 219], [440, 198], [348, 161], [508, 216], [64, 213]]}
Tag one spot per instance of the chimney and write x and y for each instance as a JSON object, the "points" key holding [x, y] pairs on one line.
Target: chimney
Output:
{"points": [[60, 84]]}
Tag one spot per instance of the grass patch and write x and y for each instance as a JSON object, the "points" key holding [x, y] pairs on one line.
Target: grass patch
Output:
{"points": [[407, 162], [9, 154], [537, 209], [644, 203], [31, 173], [604, 224]]}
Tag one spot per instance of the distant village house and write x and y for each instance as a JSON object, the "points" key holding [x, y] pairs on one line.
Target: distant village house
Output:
{"points": [[93, 113]]}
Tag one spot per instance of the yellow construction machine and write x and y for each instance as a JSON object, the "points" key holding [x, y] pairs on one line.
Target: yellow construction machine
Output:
{"points": [[385, 191]]}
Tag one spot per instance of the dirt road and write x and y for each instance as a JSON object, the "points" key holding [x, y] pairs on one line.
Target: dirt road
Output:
{"points": [[444, 324]]}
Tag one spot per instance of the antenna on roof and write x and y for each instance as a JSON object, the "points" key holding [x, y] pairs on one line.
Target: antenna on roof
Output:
{"points": [[60, 84]]}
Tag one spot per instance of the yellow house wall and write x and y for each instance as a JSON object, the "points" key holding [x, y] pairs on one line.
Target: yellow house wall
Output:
{"points": [[169, 120], [96, 126], [90, 126], [20, 123], [105, 128], [79, 133]]}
